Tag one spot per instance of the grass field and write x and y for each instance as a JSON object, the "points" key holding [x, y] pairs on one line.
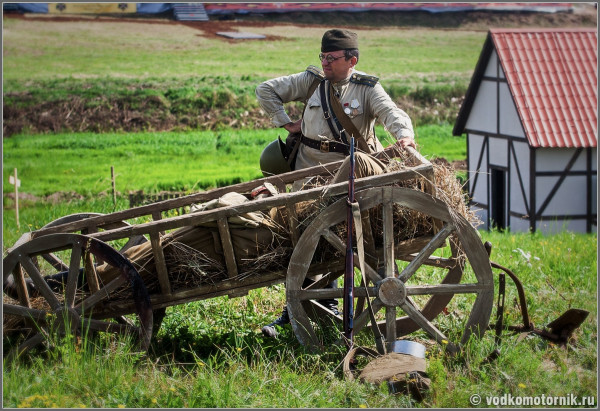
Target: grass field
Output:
{"points": [[92, 49], [211, 353]]}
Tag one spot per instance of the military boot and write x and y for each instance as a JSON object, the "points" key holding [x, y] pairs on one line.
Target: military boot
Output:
{"points": [[270, 331]]}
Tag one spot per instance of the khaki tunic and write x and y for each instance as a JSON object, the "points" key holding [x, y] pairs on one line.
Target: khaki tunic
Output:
{"points": [[367, 101]]}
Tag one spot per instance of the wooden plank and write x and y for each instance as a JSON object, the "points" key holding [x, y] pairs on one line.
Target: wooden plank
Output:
{"points": [[227, 245], [225, 287], [160, 263], [157, 216], [212, 215]]}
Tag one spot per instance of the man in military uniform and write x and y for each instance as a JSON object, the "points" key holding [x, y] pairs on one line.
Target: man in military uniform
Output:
{"points": [[362, 97], [324, 139]]}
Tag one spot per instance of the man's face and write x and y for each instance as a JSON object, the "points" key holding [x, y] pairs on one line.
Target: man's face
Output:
{"points": [[337, 69]]}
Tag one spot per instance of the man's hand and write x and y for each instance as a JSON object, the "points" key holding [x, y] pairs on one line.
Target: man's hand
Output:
{"points": [[395, 150], [405, 142], [294, 127]]}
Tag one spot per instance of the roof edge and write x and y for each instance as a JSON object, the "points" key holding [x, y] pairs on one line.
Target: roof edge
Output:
{"points": [[467, 105]]}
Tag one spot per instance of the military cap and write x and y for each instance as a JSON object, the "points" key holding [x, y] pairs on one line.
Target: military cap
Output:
{"points": [[338, 39]]}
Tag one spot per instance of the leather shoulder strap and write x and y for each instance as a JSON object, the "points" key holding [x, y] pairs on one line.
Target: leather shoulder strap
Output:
{"points": [[345, 121], [311, 90]]}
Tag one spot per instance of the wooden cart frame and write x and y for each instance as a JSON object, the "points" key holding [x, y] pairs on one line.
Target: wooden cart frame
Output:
{"points": [[86, 236]]}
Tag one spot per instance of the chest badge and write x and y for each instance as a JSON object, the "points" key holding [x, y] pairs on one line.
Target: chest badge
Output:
{"points": [[354, 103]]}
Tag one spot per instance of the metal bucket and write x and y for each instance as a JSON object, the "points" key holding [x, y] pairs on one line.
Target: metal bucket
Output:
{"points": [[409, 347]]}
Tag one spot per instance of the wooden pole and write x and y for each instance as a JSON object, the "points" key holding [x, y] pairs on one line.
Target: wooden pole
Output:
{"points": [[17, 199], [114, 191]]}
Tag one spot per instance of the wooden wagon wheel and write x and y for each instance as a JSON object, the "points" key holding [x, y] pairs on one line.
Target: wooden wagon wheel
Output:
{"points": [[393, 290], [60, 265], [40, 308]]}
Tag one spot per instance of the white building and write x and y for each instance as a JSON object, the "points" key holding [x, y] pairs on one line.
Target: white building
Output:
{"points": [[531, 119]]}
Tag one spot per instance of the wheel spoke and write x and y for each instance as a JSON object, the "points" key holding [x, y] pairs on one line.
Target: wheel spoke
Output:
{"points": [[425, 324], [107, 326], [98, 296], [325, 279], [22, 292], [363, 319], [447, 289], [55, 262], [74, 265], [433, 245], [339, 244], [90, 273], [40, 283], [24, 312], [327, 293], [30, 343], [390, 325], [388, 234]]}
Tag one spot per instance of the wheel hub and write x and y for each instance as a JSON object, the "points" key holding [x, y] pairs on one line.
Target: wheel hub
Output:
{"points": [[392, 292]]}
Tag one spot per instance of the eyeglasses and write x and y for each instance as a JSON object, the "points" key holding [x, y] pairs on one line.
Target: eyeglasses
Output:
{"points": [[330, 59]]}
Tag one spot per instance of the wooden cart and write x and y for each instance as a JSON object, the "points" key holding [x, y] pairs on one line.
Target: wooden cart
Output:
{"points": [[448, 263]]}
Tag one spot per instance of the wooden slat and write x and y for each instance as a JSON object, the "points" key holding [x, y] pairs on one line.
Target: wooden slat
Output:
{"points": [[212, 215], [160, 263], [157, 216], [227, 244]]}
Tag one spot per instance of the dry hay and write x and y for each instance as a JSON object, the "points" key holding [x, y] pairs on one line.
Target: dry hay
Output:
{"points": [[408, 223], [189, 267], [12, 324]]}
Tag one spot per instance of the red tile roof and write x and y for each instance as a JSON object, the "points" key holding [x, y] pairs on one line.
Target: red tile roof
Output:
{"points": [[552, 76]]}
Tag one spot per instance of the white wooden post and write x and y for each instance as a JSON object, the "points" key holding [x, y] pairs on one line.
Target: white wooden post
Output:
{"points": [[14, 180]]}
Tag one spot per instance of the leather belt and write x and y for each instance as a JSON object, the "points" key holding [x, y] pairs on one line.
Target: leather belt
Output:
{"points": [[326, 146]]}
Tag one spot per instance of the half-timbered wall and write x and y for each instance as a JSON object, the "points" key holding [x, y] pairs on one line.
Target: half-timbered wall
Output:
{"points": [[544, 189], [565, 189]]}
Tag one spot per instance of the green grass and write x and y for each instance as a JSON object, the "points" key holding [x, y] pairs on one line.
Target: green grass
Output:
{"points": [[92, 49], [211, 353], [165, 161]]}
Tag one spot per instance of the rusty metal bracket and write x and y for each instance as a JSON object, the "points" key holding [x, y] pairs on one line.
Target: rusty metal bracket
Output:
{"points": [[560, 330]]}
